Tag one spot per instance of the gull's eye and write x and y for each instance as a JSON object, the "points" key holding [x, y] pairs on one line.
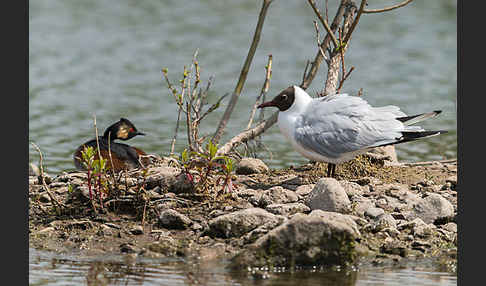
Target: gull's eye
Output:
{"points": [[284, 97]]}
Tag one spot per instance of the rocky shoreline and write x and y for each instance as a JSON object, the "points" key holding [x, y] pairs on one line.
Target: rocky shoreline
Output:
{"points": [[294, 217]]}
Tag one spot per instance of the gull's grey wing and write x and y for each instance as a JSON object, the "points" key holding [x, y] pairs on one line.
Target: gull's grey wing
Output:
{"points": [[340, 124]]}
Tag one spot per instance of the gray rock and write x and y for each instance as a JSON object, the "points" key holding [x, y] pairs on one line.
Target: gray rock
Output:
{"points": [[361, 204], [319, 238], [304, 190], [249, 166], [287, 209], [240, 222], [352, 188], [434, 207], [451, 226], [277, 195], [373, 212], [172, 219], [411, 224], [384, 221], [328, 195]]}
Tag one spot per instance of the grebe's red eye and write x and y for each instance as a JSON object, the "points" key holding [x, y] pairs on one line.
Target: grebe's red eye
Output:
{"points": [[132, 130]]}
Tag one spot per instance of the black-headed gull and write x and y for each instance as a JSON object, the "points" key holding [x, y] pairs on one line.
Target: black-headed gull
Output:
{"points": [[336, 128]]}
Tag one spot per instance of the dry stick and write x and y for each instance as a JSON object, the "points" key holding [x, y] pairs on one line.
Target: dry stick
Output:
{"points": [[248, 134], [324, 23], [344, 75], [264, 90], [115, 181], [244, 72], [387, 8], [174, 93], [319, 44], [309, 77], [99, 158], [42, 177]]}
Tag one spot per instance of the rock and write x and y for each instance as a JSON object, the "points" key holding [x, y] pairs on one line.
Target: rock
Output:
{"points": [[432, 209], [352, 188], [388, 153], [411, 224], [328, 195], [384, 221], [249, 166], [172, 219], [277, 195], [451, 226], [182, 183], [423, 230], [319, 238], [136, 230], [373, 212], [287, 209], [361, 204], [44, 198], [304, 190], [240, 222], [394, 248]]}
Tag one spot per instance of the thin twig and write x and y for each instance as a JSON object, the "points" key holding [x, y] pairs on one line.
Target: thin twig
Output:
{"points": [[244, 72], [264, 90], [324, 23], [309, 77], [387, 8], [172, 145], [319, 43], [44, 184]]}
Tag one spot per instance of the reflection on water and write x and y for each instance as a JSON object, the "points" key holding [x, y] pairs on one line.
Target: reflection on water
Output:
{"points": [[105, 57], [46, 268]]}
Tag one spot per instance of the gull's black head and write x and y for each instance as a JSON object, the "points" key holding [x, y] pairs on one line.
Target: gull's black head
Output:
{"points": [[283, 100], [123, 130]]}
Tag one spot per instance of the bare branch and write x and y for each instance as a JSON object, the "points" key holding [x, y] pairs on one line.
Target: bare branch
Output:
{"points": [[243, 74], [263, 92], [355, 23], [248, 134], [404, 3], [309, 77], [324, 23]]}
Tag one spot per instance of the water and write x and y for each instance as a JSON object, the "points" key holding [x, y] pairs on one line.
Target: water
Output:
{"points": [[47, 268], [104, 58]]}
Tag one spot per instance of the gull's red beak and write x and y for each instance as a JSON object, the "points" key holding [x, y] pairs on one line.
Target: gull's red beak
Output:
{"points": [[266, 104]]}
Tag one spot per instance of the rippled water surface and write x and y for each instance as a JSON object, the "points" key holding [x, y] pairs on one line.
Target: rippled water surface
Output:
{"points": [[54, 269], [105, 57]]}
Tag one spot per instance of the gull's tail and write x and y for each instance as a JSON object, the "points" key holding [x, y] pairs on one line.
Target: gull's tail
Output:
{"points": [[409, 120], [414, 132]]}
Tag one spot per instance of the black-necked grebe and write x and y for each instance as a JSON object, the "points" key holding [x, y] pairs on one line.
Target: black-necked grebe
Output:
{"points": [[124, 156]]}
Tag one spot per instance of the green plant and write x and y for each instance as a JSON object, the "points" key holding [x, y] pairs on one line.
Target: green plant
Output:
{"points": [[96, 171], [210, 168]]}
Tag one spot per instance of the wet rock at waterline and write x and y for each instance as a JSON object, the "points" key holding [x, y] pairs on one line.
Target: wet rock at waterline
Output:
{"points": [[319, 238]]}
